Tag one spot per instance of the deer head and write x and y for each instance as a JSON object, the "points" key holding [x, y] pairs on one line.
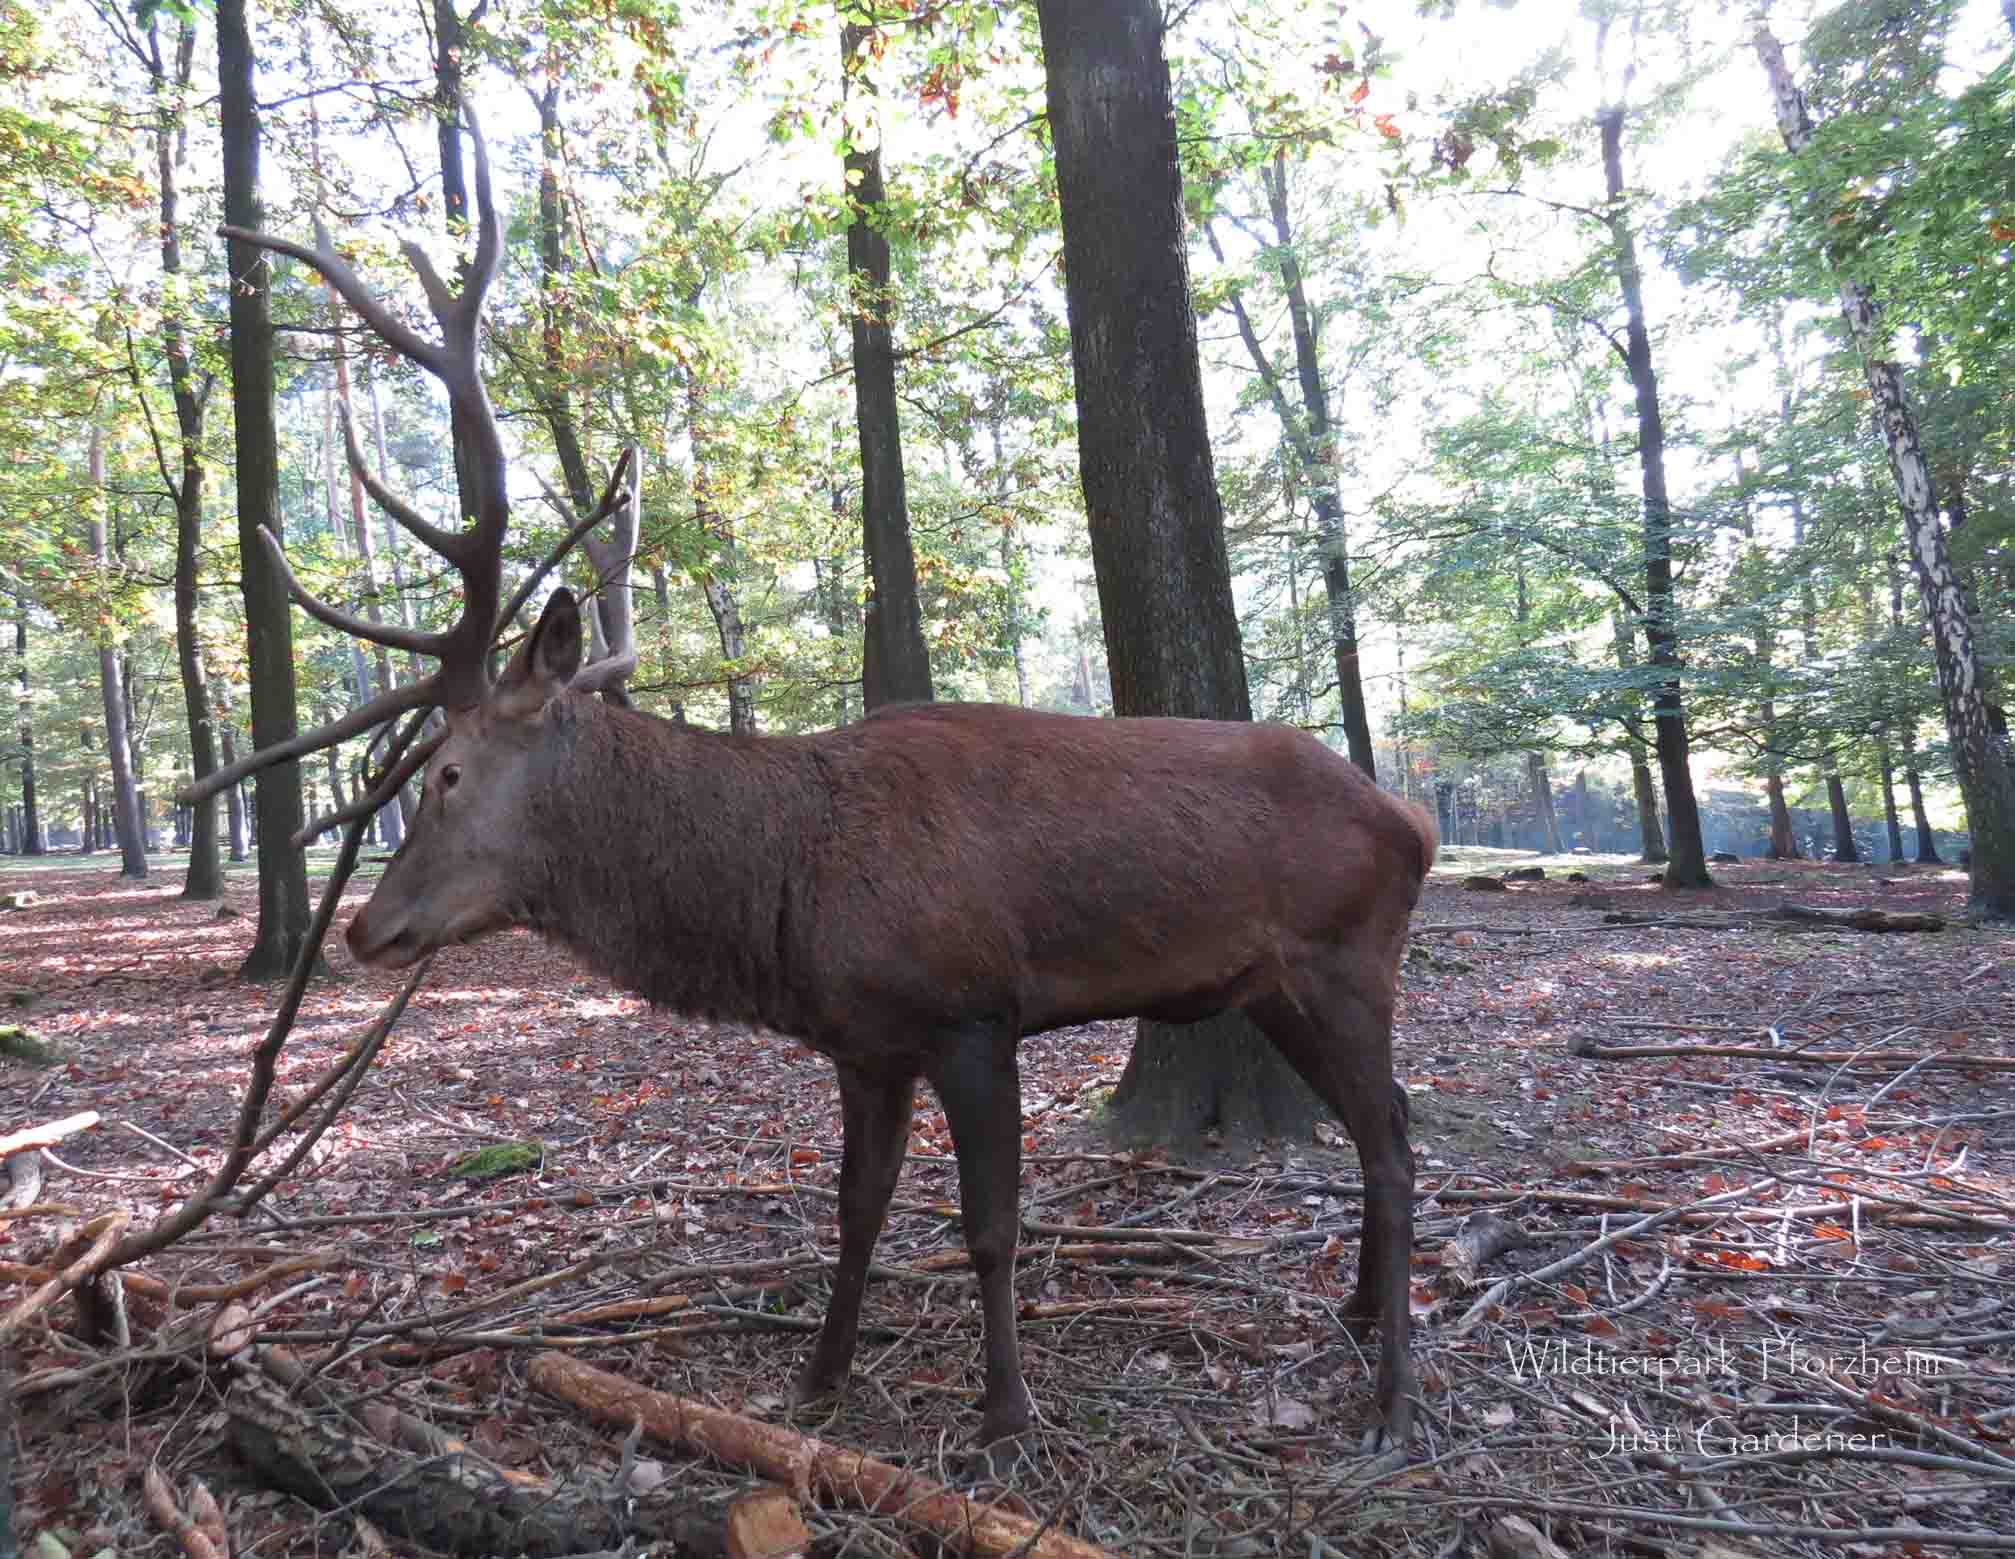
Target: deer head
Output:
{"points": [[465, 869]]}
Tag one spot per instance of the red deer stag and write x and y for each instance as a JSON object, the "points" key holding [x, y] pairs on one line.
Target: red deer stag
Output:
{"points": [[910, 895]]}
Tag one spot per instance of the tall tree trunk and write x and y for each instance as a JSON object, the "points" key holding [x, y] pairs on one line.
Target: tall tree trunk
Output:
{"points": [[1542, 804], [205, 876], [269, 629], [724, 567], [112, 682], [1144, 455], [896, 650], [1686, 866], [1844, 847], [31, 817], [1981, 759], [227, 745], [1650, 834], [390, 819], [1927, 839], [1312, 438], [1889, 818]]}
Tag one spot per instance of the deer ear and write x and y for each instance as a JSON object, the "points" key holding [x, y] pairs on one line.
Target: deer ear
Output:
{"points": [[547, 660]]}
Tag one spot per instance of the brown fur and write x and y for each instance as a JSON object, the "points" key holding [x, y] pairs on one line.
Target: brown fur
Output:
{"points": [[913, 893]]}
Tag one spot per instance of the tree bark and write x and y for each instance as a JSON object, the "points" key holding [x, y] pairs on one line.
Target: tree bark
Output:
{"points": [[1686, 866], [1157, 527], [895, 649], [112, 682], [32, 842], [269, 629], [1981, 759], [1844, 848], [390, 819], [205, 876], [1542, 804]]}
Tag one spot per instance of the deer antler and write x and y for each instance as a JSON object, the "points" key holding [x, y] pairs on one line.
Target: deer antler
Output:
{"points": [[612, 638], [476, 551]]}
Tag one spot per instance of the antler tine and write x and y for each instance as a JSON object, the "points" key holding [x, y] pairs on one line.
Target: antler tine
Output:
{"points": [[614, 618], [336, 271], [386, 706], [566, 543], [395, 635], [478, 551]]}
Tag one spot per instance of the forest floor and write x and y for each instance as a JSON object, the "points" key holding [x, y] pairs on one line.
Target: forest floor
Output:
{"points": [[1806, 1350]]}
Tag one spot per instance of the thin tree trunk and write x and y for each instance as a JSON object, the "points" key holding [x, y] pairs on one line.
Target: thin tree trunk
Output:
{"points": [[895, 651], [1927, 840], [1311, 437], [1889, 817], [718, 583], [1981, 759], [390, 819], [1542, 804], [283, 870], [1686, 866], [31, 818], [112, 682], [205, 876]]}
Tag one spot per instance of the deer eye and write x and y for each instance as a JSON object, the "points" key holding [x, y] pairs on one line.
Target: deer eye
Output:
{"points": [[451, 776]]}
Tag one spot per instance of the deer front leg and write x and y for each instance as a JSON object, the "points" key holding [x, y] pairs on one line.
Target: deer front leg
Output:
{"points": [[875, 1128], [977, 1082]]}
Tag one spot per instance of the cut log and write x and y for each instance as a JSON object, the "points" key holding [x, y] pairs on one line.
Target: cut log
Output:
{"points": [[815, 1467], [1482, 884], [766, 1525]]}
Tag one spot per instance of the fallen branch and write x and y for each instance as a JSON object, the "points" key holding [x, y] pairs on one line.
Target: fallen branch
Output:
{"points": [[1501, 1289], [1591, 1050], [807, 1465]]}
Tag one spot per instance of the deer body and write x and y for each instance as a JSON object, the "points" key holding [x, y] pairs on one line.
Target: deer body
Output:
{"points": [[910, 895], [913, 894]]}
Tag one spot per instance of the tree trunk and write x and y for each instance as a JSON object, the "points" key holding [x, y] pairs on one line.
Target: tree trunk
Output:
{"points": [[895, 628], [1981, 759], [205, 876], [1686, 866], [1542, 804], [1927, 840], [269, 629], [390, 819], [31, 818], [88, 831], [1890, 820], [1844, 848], [1157, 529], [1311, 437], [719, 581], [112, 682]]}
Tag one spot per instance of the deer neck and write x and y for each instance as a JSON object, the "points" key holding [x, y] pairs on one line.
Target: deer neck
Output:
{"points": [[677, 855]]}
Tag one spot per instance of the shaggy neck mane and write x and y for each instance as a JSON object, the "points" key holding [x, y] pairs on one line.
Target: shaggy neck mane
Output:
{"points": [[688, 842]]}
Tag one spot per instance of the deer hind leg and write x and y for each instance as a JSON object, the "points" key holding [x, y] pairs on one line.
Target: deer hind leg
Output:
{"points": [[875, 1128], [1337, 1033], [978, 1083]]}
